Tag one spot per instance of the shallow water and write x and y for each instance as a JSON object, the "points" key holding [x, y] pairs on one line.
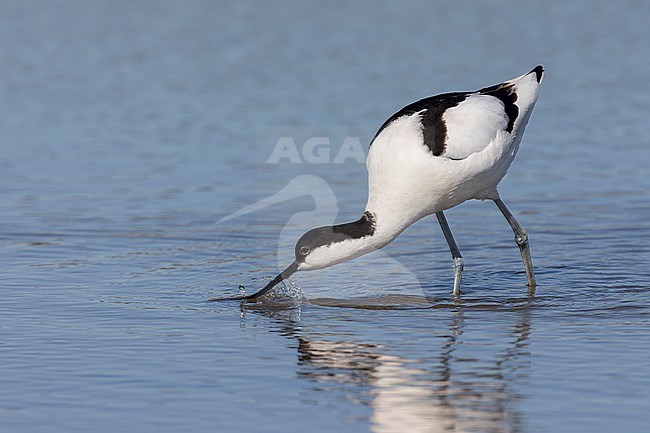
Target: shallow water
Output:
{"points": [[128, 129]]}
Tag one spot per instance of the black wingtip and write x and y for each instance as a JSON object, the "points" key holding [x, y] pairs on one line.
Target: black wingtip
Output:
{"points": [[539, 71]]}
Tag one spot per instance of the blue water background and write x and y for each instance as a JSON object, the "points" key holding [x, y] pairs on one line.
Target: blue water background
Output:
{"points": [[127, 129]]}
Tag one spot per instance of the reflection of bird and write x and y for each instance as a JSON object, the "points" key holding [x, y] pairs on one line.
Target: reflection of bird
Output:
{"points": [[430, 156], [448, 392]]}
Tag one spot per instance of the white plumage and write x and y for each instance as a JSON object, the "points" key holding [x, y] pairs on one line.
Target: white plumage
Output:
{"points": [[472, 124]]}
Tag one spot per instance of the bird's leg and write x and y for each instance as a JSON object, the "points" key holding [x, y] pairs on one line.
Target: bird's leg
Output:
{"points": [[522, 241], [455, 252]]}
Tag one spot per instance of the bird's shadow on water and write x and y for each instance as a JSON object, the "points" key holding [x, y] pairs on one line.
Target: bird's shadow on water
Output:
{"points": [[411, 384]]}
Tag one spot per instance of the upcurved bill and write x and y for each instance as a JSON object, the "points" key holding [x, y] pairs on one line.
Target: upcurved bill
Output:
{"points": [[293, 267]]}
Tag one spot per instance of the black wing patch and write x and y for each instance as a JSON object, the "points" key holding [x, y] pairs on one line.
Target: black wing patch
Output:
{"points": [[434, 128], [506, 94]]}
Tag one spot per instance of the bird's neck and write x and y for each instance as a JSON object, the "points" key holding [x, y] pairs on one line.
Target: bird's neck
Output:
{"points": [[347, 241], [364, 226], [391, 221], [374, 230]]}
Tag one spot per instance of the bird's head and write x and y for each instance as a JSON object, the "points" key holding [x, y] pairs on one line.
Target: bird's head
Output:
{"points": [[326, 246], [323, 247]]}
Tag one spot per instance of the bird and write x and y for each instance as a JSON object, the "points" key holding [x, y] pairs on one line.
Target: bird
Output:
{"points": [[428, 157]]}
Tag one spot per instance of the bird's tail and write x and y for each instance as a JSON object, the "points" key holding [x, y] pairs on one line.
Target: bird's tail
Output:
{"points": [[527, 88], [521, 91]]}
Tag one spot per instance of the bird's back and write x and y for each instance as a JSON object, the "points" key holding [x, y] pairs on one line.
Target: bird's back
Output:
{"points": [[455, 125], [442, 150]]}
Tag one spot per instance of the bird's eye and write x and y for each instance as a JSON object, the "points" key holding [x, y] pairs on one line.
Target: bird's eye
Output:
{"points": [[304, 250]]}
